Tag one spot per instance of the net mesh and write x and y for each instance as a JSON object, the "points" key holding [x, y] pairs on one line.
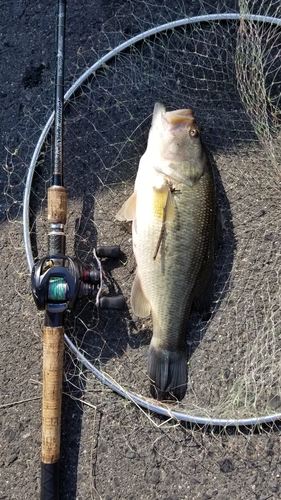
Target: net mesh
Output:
{"points": [[228, 71]]}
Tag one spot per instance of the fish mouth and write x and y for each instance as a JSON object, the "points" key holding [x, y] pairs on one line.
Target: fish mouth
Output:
{"points": [[179, 116]]}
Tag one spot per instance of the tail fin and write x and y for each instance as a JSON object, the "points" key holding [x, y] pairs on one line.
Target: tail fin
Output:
{"points": [[168, 373]]}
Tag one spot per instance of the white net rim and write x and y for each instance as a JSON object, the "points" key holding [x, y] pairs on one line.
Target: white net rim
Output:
{"points": [[141, 401]]}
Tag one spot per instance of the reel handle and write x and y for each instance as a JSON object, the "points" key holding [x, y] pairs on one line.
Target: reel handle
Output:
{"points": [[112, 252], [116, 302]]}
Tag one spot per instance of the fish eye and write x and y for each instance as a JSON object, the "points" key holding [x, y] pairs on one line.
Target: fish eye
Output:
{"points": [[193, 132]]}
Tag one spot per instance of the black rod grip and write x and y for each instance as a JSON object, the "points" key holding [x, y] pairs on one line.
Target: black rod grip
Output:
{"points": [[49, 481]]}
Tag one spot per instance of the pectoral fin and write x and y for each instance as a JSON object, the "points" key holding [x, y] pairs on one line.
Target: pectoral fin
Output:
{"points": [[139, 302], [163, 203], [128, 210], [170, 208]]}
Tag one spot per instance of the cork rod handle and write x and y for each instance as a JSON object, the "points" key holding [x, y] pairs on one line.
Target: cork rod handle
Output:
{"points": [[53, 349]]}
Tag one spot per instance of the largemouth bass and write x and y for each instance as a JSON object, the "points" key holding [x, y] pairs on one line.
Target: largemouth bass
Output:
{"points": [[173, 209]]}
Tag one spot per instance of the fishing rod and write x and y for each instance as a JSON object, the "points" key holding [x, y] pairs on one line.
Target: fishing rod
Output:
{"points": [[57, 283]]}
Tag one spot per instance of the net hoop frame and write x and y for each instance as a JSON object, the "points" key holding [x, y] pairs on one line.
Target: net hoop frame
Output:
{"points": [[141, 401]]}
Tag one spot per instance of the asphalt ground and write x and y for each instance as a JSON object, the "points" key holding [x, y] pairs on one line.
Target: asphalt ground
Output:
{"points": [[110, 448]]}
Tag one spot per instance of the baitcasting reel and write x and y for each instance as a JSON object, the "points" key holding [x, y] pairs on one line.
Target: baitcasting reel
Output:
{"points": [[59, 281]]}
